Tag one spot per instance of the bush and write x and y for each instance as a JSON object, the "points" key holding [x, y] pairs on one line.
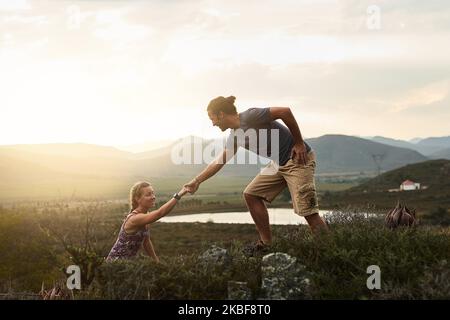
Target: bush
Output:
{"points": [[339, 260], [439, 216], [412, 262], [26, 254], [181, 277]]}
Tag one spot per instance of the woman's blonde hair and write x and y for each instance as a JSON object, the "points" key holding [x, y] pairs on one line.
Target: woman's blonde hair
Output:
{"points": [[136, 193]]}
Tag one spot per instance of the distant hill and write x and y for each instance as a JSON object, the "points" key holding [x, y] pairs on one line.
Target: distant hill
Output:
{"points": [[77, 150], [89, 169], [13, 169], [160, 162], [146, 146], [394, 142], [340, 153], [92, 161], [433, 173], [441, 154], [426, 146], [86, 171], [335, 153], [415, 140], [432, 145], [99, 161]]}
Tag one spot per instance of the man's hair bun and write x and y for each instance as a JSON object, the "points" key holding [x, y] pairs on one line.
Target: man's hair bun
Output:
{"points": [[222, 104], [231, 99]]}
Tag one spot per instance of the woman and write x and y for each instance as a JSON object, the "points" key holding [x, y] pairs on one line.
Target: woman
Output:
{"points": [[134, 231]]}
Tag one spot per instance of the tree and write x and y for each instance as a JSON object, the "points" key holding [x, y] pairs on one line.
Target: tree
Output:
{"points": [[84, 238]]}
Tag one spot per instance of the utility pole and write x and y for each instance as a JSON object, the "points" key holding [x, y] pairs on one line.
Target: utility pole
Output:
{"points": [[378, 159]]}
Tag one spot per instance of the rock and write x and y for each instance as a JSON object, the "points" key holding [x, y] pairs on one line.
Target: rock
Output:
{"points": [[284, 278], [238, 291], [215, 256]]}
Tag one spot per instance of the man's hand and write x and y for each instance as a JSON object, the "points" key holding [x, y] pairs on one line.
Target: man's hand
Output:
{"points": [[298, 153], [183, 191], [192, 186]]}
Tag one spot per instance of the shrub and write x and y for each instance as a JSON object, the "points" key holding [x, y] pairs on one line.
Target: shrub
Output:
{"points": [[181, 277], [439, 216], [26, 254], [339, 260]]}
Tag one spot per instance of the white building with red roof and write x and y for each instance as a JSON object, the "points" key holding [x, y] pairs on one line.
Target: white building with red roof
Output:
{"points": [[409, 185]]}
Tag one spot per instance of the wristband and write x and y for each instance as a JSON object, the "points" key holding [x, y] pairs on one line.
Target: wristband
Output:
{"points": [[177, 196]]}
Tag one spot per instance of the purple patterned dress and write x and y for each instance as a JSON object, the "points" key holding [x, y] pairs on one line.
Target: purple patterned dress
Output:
{"points": [[127, 245]]}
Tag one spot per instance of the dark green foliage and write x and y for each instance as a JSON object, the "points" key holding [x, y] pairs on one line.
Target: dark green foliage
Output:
{"points": [[180, 277], [413, 265], [26, 254], [84, 236], [339, 260], [440, 216], [434, 175], [413, 261]]}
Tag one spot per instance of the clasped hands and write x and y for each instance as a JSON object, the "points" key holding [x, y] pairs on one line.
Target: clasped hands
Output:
{"points": [[190, 187]]}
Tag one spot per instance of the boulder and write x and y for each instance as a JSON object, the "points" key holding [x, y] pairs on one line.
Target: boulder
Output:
{"points": [[283, 278], [238, 291], [214, 256]]}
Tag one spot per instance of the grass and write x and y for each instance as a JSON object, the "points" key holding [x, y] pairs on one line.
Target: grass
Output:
{"points": [[413, 262], [424, 201]]}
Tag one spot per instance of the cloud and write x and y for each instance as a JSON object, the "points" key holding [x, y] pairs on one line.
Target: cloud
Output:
{"points": [[149, 58], [434, 111], [398, 17], [15, 19], [14, 5], [422, 97]]}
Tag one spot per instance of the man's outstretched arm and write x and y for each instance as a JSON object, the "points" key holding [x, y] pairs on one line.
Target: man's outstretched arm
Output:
{"points": [[210, 170], [299, 149]]}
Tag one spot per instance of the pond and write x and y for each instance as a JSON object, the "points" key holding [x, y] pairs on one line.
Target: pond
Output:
{"points": [[280, 216]]}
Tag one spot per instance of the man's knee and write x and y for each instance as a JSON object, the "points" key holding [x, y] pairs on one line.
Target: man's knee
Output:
{"points": [[251, 198], [247, 196], [312, 217]]}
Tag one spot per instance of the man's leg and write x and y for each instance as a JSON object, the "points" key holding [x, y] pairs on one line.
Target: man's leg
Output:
{"points": [[316, 223], [300, 180], [260, 216], [265, 186]]}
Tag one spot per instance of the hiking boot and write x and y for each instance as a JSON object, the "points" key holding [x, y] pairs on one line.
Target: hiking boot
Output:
{"points": [[255, 249]]}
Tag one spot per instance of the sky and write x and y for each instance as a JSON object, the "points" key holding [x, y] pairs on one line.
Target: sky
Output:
{"points": [[126, 72]]}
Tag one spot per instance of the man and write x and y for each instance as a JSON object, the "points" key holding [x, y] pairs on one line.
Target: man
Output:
{"points": [[293, 164]]}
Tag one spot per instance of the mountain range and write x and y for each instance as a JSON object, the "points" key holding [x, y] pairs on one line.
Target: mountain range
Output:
{"points": [[428, 146], [54, 166]]}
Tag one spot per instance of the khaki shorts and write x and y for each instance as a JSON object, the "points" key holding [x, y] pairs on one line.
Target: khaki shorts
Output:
{"points": [[298, 178]]}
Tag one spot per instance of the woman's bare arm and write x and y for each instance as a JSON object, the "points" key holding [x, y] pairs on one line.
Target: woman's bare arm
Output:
{"points": [[148, 247], [141, 219]]}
